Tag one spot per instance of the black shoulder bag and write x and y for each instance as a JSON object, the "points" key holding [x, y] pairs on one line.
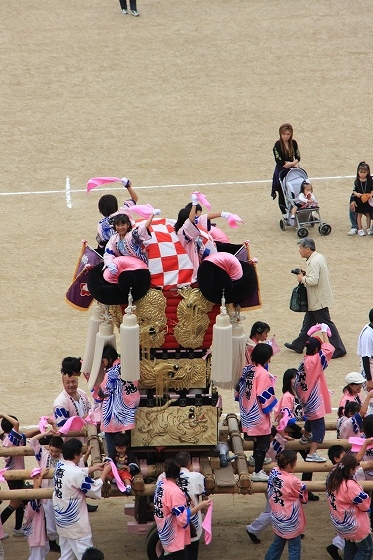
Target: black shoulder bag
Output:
{"points": [[298, 300]]}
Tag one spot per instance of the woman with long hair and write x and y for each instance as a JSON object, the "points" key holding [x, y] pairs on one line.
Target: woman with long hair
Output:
{"points": [[286, 153], [349, 506]]}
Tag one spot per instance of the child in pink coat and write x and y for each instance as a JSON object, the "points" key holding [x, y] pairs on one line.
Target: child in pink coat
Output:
{"points": [[257, 399], [349, 506], [351, 423], [312, 391], [172, 513], [196, 240], [286, 494], [34, 522]]}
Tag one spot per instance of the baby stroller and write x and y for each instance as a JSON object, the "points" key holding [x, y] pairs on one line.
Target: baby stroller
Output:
{"points": [[291, 183]]}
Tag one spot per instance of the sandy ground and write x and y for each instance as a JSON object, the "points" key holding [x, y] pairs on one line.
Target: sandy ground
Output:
{"points": [[189, 93]]}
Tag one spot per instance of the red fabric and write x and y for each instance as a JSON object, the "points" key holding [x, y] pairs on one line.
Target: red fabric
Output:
{"points": [[123, 475], [169, 264]]}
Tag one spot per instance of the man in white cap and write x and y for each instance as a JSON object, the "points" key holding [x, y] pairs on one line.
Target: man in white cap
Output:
{"points": [[365, 351]]}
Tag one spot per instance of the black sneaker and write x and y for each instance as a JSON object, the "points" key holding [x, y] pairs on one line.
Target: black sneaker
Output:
{"points": [[312, 497], [53, 546], [292, 347], [333, 551], [254, 538]]}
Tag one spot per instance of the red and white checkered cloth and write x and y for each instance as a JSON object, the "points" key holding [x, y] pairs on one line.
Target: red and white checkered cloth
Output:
{"points": [[169, 265]]}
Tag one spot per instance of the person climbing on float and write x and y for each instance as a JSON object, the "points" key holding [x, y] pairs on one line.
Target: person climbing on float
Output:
{"points": [[126, 243], [198, 242], [216, 233]]}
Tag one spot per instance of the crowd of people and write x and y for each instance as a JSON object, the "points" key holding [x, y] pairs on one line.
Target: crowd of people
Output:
{"points": [[306, 396], [62, 524]]}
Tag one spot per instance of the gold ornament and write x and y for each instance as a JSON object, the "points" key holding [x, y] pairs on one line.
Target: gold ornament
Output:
{"points": [[151, 316], [176, 374], [175, 425], [193, 320]]}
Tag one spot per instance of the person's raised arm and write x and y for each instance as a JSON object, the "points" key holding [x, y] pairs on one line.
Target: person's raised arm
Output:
{"points": [[193, 210], [31, 433], [214, 215], [365, 405], [132, 193], [149, 221], [41, 435], [13, 421], [360, 454]]}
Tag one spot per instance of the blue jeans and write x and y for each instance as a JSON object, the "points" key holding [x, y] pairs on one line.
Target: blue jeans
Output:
{"points": [[353, 219], [362, 550], [277, 547], [110, 445]]}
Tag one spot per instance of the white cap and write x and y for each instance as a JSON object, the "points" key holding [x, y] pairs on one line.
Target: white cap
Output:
{"points": [[355, 377]]}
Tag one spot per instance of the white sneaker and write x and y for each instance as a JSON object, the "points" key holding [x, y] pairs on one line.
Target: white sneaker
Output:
{"points": [[18, 533], [6, 536], [361, 232], [304, 440], [315, 458], [135, 13], [369, 231], [259, 477], [124, 12], [353, 231], [251, 461]]}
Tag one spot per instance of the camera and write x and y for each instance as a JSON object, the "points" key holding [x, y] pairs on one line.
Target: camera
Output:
{"points": [[296, 271]]}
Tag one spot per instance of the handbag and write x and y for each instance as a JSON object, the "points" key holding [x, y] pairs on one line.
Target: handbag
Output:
{"points": [[192, 528], [298, 300]]}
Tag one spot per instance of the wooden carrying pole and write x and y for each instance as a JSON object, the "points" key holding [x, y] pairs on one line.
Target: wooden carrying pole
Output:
{"points": [[237, 447], [27, 451], [249, 446], [148, 490]]}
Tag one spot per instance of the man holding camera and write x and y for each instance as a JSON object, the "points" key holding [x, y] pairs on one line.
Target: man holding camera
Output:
{"points": [[319, 294]]}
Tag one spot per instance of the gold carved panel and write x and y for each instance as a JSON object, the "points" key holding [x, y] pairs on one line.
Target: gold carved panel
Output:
{"points": [[174, 425], [193, 320], [184, 373]]}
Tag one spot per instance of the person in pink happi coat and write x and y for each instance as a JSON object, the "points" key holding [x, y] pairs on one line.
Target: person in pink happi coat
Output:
{"points": [[257, 399], [286, 494], [349, 506], [172, 513], [34, 522]]}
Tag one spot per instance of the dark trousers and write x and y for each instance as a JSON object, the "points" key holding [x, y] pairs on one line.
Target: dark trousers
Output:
{"points": [[123, 5], [312, 318], [296, 433], [192, 550], [261, 446], [179, 555]]}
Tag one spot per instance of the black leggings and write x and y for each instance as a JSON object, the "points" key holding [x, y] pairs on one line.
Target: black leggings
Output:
{"points": [[261, 446], [178, 555], [123, 5], [296, 434]]}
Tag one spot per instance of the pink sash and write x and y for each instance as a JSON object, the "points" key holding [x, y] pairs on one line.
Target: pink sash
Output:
{"points": [[118, 480], [207, 525]]}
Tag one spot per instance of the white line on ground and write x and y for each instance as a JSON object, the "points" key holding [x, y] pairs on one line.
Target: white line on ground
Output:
{"points": [[68, 193], [110, 188]]}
